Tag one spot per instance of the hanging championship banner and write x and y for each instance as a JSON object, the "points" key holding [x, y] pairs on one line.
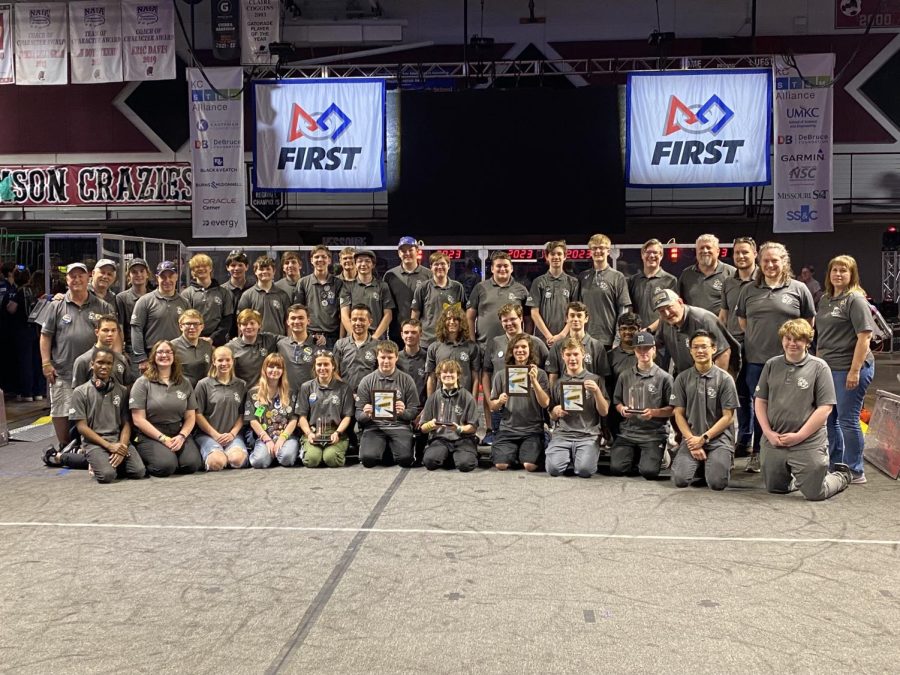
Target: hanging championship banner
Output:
{"points": [[319, 135], [95, 35], [41, 43], [701, 128], [148, 39], [804, 108], [260, 26], [217, 152], [7, 73]]}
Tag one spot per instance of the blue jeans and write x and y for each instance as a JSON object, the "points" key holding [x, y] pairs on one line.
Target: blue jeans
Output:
{"points": [[752, 371], [745, 416], [845, 438], [261, 458]]}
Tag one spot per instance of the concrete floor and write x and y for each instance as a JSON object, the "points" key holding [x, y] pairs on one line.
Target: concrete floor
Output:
{"points": [[394, 571]]}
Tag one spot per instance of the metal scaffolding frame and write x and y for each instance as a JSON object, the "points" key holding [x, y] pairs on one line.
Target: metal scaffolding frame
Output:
{"points": [[890, 276]]}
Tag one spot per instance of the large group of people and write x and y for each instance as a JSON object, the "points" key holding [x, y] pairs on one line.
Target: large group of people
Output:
{"points": [[714, 364]]}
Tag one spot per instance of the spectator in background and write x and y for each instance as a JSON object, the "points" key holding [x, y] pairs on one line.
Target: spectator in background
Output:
{"points": [[604, 291], [214, 302], [8, 377], [24, 338], [806, 276], [404, 280], [702, 284]]}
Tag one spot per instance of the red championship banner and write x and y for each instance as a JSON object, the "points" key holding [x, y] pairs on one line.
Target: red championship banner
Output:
{"points": [[151, 184]]}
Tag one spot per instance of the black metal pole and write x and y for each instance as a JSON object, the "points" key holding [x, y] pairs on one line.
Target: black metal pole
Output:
{"points": [[466, 41], [753, 19]]}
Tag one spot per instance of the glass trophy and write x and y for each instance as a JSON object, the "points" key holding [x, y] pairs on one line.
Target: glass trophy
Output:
{"points": [[637, 399], [323, 433]]}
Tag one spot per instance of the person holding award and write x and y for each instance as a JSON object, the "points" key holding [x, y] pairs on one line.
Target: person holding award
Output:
{"points": [[578, 404], [519, 396], [451, 415], [325, 406]]}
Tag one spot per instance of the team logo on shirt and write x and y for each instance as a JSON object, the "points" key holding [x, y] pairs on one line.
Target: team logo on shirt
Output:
{"points": [[803, 383], [457, 410], [117, 399], [131, 401], [603, 286], [549, 293], [512, 296], [313, 397], [786, 299], [565, 293], [71, 411], [179, 310], [262, 352], [651, 388], [369, 356], [276, 304], [120, 368], [717, 284], [375, 295], [672, 397], [421, 372], [500, 354], [836, 310], [463, 357], [217, 300], [66, 319], [206, 358], [587, 359], [711, 392], [237, 398], [180, 395]]}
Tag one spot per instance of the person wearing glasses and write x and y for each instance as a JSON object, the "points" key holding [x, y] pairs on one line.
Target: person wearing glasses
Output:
{"points": [[164, 411], [704, 399], [156, 313], [220, 415], [297, 347], [320, 293], [604, 291], [214, 302], [271, 411], [644, 284], [702, 284], [679, 321], [194, 353], [326, 408]]}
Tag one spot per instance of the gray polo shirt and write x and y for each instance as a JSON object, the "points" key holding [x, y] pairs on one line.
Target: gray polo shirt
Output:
{"points": [[329, 402], [272, 304], [494, 358], [403, 286], [299, 358], [405, 390], [677, 339], [605, 293], [288, 286], [248, 358], [704, 397], [81, 370], [595, 357], [621, 360], [195, 360], [657, 386], [104, 412], [577, 425], [322, 301], [430, 300], [521, 414], [467, 354], [550, 295], [486, 298], [155, 318], [838, 322], [71, 328], [216, 305], [455, 406], [793, 392], [765, 310], [235, 291], [414, 366], [163, 403], [375, 295], [221, 404], [355, 361], [125, 302], [641, 289], [702, 290], [730, 294]]}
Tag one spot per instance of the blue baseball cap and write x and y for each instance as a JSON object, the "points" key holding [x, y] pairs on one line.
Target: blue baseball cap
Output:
{"points": [[407, 241]]}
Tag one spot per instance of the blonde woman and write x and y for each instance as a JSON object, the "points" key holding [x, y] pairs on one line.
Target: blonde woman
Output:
{"points": [[220, 408], [271, 410]]}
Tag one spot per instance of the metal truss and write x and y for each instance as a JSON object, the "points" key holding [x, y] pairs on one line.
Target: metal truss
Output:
{"points": [[491, 70], [890, 275]]}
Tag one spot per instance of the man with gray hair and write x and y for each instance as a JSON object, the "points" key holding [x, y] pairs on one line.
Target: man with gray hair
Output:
{"points": [[702, 284]]}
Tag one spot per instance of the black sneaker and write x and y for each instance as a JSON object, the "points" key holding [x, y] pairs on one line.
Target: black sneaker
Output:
{"points": [[844, 471], [51, 457]]}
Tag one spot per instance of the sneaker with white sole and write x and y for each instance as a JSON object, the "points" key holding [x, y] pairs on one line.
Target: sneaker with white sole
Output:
{"points": [[844, 472], [753, 463], [858, 478]]}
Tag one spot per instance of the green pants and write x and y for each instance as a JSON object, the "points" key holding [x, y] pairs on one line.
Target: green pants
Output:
{"points": [[332, 455]]}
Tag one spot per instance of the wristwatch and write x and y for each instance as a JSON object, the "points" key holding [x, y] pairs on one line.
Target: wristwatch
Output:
{"points": [[705, 438]]}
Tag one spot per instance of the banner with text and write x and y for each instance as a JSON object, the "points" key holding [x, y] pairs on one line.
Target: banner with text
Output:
{"points": [[148, 39], [319, 135], [804, 107], [702, 128], [7, 72], [217, 152], [260, 26], [95, 39], [151, 184], [41, 43]]}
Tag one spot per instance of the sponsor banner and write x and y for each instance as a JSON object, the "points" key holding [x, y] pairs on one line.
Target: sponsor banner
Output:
{"points": [[7, 72], [148, 39], [95, 36], [319, 135], [804, 108], [41, 43], [217, 152], [151, 184], [226, 19], [260, 26], [703, 128], [858, 13]]}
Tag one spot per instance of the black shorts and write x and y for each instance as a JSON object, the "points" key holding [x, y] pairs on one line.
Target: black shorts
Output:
{"points": [[510, 447]]}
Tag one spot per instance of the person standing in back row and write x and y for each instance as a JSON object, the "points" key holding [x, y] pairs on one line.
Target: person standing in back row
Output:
{"points": [[550, 293], [702, 284], [320, 292], [156, 314], [604, 291], [271, 302], [404, 280]]}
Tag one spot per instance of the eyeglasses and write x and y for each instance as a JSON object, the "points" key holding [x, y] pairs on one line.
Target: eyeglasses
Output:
{"points": [[191, 324], [165, 352]]}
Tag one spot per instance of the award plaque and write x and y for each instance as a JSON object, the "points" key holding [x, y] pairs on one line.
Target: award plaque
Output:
{"points": [[637, 399], [383, 402], [517, 380], [573, 396]]}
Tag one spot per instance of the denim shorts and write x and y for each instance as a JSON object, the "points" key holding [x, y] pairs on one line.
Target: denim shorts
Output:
{"points": [[208, 445]]}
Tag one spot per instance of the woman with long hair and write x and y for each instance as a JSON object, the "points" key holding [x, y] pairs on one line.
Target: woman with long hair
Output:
{"points": [[453, 342], [326, 408], [844, 323], [220, 414], [163, 410], [271, 411]]}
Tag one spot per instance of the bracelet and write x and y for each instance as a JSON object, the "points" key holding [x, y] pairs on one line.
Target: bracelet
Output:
{"points": [[161, 438], [180, 434], [47, 363]]}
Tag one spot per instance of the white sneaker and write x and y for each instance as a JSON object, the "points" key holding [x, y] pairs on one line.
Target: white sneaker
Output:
{"points": [[753, 464], [666, 460]]}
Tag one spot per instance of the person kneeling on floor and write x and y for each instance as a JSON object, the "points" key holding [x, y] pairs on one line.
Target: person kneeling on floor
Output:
{"points": [[642, 399], [452, 419], [705, 398], [794, 398], [325, 406], [100, 413]]}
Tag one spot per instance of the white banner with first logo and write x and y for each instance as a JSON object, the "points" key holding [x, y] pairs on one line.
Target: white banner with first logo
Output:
{"points": [[41, 43], [704, 128], [95, 33], [148, 39], [319, 135]]}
